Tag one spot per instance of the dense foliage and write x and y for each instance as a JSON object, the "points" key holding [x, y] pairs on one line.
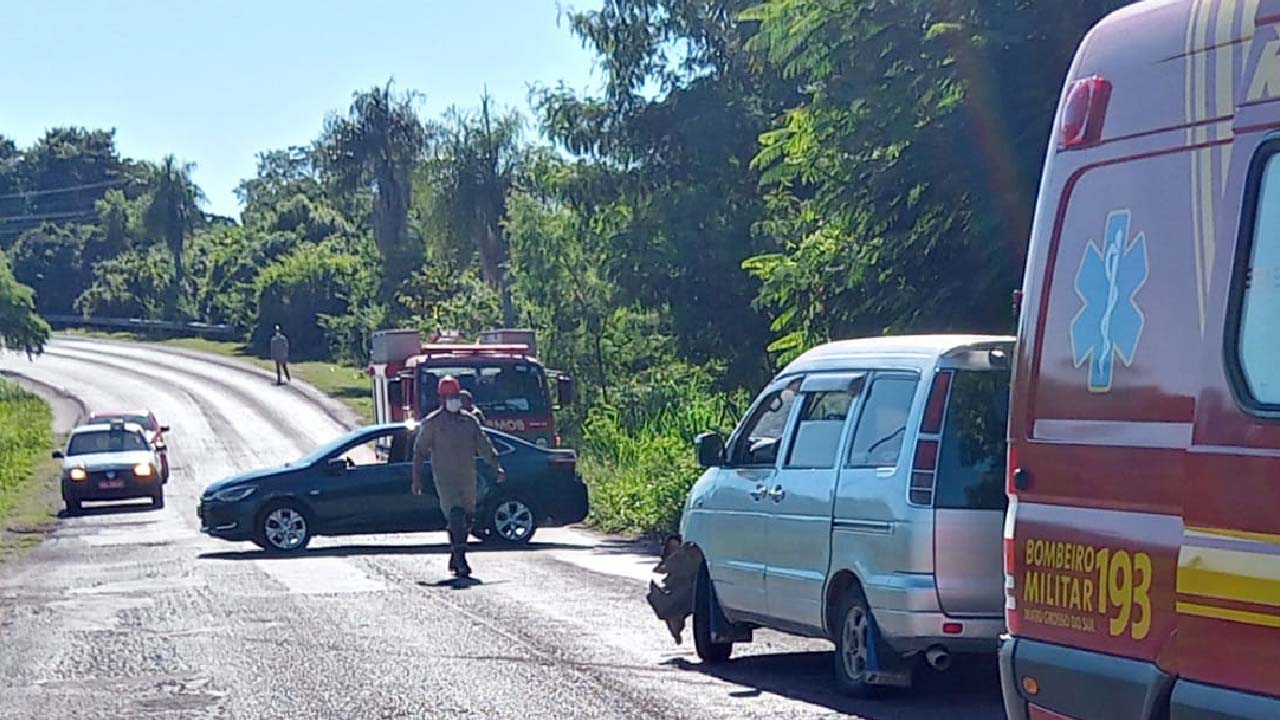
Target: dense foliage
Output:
{"points": [[753, 178]]}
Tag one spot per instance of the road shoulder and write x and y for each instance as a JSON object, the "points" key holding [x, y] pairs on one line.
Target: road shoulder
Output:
{"points": [[33, 514]]}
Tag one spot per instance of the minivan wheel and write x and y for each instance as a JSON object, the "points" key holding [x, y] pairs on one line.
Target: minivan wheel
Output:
{"points": [[859, 650], [704, 604]]}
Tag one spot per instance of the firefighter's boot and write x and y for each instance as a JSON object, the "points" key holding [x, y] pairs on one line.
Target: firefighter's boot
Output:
{"points": [[458, 543]]}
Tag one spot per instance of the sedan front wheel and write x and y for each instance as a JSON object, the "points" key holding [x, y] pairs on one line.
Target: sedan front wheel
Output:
{"points": [[283, 527]]}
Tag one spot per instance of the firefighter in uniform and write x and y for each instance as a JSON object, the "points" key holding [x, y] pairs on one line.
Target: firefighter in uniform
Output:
{"points": [[453, 439], [469, 405]]}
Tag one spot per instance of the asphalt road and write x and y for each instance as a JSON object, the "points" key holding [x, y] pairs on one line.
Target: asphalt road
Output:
{"points": [[130, 612]]}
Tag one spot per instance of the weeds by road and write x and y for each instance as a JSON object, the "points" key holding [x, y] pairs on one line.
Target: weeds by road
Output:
{"points": [[28, 490], [640, 465]]}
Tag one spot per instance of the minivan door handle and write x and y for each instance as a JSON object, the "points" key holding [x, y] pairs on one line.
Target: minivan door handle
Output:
{"points": [[777, 493], [759, 492]]}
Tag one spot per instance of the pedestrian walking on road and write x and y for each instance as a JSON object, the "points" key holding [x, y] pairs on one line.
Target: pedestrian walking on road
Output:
{"points": [[453, 439], [469, 405], [280, 353]]}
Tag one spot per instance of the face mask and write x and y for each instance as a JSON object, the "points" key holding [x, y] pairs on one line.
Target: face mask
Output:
{"points": [[453, 405]]}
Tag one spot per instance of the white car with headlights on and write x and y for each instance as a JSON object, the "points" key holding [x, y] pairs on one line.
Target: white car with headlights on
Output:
{"points": [[110, 461]]}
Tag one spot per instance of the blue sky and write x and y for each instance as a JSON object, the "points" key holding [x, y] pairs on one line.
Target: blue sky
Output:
{"points": [[215, 82]]}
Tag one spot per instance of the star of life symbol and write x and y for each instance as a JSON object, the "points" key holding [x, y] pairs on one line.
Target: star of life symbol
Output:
{"points": [[1109, 325]]}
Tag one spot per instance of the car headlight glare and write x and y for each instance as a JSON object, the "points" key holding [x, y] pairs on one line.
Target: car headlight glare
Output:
{"points": [[142, 470], [78, 474], [234, 494]]}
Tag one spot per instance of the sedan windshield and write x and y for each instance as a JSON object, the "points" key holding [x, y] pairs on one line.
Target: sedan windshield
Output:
{"points": [[105, 441]]}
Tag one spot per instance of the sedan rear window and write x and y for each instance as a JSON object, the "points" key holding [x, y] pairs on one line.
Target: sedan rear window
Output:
{"points": [[971, 463]]}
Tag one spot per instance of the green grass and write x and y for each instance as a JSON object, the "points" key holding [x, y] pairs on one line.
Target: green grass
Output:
{"points": [[28, 478], [344, 383]]}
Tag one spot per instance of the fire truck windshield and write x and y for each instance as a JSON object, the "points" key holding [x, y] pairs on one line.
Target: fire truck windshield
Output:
{"points": [[499, 389]]}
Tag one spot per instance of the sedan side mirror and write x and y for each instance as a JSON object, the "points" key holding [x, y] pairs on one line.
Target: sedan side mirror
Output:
{"points": [[710, 447], [336, 466], [164, 428], [57, 455]]}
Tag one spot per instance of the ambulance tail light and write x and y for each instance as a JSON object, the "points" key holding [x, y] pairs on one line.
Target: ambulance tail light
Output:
{"points": [[1011, 620], [1011, 469], [1083, 112]]}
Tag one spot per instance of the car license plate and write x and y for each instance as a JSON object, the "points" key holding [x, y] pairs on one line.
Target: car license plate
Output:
{"points": [[110, 484]]}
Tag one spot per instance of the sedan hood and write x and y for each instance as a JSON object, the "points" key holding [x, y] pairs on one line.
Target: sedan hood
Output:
{"points": [[250, 477], [109, 461]]}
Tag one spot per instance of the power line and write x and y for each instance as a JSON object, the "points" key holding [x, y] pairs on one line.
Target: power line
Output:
{"points": [[51, 216], [71, 188]]}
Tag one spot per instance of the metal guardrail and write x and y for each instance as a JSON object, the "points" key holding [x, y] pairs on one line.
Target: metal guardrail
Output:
{"points": [[143, 326]]}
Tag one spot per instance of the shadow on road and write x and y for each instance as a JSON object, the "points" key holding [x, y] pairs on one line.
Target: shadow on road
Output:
{"points": [[971, 689], [359, 550], [454, 583]]}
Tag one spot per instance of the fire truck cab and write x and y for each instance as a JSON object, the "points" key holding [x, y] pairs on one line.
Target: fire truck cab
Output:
{"points": [[510, 386], [1142, 540]]}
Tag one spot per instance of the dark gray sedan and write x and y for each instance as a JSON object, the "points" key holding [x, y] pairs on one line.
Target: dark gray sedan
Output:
{"points": [[360, 484]]}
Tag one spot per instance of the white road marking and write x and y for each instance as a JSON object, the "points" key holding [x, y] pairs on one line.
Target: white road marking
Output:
{"points": [[319, 576]]}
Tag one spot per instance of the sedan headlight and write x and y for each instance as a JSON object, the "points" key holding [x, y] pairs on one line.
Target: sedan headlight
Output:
{"points": [[142, 470], [235, 494], [78, 474]]}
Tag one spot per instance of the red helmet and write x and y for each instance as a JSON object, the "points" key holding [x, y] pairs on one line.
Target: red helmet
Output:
{"points": [[448, 387]]}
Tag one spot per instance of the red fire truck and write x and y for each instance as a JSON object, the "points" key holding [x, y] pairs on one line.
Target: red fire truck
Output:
{"points": [[510, 385]]}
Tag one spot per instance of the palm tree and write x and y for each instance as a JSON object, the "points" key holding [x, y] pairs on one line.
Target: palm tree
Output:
{"points": [[172, 214], [375, 146], [480, 157]]}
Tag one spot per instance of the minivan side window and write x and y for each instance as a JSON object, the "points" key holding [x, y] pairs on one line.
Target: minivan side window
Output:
{"points": [[1257, 295], [758, 440], [877, 442], [816, 440]]}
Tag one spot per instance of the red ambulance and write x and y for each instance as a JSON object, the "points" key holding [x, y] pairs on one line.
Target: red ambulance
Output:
{"points": [[1142, 542]]}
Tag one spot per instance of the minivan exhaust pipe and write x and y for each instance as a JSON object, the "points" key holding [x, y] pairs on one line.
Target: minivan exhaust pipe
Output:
{"points": [[938, 658]]}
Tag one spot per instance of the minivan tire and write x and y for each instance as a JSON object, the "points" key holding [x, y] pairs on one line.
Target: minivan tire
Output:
{"points": [[704, 604], [859, 648]]}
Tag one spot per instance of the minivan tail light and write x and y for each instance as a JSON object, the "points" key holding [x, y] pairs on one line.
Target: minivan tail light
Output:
{"points": [[923, 473], [936, 408], [926, 456], [1083, 112]]}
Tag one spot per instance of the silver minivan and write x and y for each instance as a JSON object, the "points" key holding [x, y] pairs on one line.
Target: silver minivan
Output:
{"points": [[861, 499]]}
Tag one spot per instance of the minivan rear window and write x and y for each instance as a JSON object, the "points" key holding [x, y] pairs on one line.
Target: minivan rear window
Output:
{"points": [[972, 458]]}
